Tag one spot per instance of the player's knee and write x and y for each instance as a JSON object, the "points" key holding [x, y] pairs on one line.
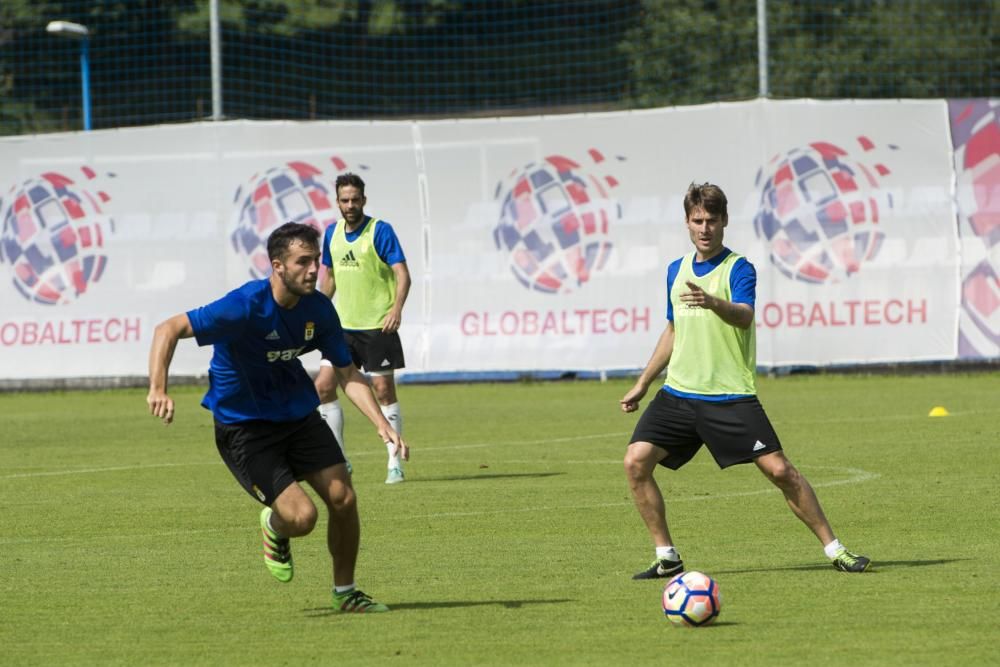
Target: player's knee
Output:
{"points": [[635, 464], [326, 387], [384, 394], [301, 520], [341, 498], [782, 473]]}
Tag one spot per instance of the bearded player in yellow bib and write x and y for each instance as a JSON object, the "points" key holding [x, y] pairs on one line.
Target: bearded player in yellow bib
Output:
{"points": [[709, 397], [367, 272]]}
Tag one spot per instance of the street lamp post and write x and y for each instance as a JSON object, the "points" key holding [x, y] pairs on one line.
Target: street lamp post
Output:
{"points": [[81, 33]]}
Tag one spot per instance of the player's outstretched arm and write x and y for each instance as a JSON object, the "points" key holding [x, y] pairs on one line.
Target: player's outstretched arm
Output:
{"points": [[661, 357], [357, 389], [165, 338]]}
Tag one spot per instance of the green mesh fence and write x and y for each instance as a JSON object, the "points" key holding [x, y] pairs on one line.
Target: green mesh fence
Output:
{"points": [[149, 61]]}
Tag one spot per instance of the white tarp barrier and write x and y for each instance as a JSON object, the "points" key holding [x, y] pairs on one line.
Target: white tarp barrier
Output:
{"points": [[534, 243]]}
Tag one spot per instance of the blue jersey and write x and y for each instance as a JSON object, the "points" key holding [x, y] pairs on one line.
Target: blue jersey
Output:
{"points": [[386, 242], [255, 371], [742, 279]]}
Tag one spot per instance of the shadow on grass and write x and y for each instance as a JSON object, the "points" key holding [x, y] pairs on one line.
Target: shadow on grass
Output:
{"points": [[876, 566], [450, 604], [462, 478]]}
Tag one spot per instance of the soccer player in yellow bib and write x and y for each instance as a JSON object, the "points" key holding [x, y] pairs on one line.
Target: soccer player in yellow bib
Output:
{"points": [[709, 349], [367, 273]]}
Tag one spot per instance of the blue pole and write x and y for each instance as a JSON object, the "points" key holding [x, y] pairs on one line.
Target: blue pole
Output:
{"points": [[85, 80]]}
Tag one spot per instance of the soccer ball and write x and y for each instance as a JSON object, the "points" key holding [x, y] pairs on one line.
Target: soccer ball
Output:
{"points": [[54, 228], [554, 222], [691, 599], [820, 211]]}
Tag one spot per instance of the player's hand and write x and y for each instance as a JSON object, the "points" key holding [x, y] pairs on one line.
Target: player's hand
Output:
{"points": [[630, 401], [160, 405], [392, 321], [696, 297], [399, 447]]}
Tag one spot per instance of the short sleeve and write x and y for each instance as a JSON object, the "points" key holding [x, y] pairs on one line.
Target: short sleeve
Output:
{"points": [[327, 235], [387, 244], [672, 272], [333, 346], [743, 282], [220, 321]]}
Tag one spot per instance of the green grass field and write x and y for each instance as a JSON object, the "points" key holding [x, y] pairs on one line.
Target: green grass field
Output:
{"points": [[513, 539]]}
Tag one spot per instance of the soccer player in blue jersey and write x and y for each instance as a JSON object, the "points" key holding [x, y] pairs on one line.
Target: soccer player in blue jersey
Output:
{"points": [[710, 396], [368, 274], [264, 403]]}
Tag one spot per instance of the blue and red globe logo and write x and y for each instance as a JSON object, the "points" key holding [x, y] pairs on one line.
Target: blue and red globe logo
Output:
{"points": [[555, 221], [979, 330], [54, 229], [975, 129], [820, 210], [294, 192]]}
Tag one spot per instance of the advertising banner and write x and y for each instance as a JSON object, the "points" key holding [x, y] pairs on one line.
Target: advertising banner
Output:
{"points": [[534, 244]]}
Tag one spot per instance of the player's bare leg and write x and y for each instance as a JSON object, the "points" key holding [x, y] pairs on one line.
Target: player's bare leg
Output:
{"points": [[641, 459], [292, 514], [343, 538], [805, 505], [384, 387], [333, 485], [798, 493]]}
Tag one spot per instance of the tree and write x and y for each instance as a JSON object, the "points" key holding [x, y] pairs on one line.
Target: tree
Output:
{"points": [[691, 52]]}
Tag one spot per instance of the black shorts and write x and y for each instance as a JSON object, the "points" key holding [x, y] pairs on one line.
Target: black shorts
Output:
{"points": [[375, 351], [736, 431], [267, 457]]}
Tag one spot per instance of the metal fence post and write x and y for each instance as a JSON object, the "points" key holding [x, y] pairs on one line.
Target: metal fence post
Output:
{"points": [[215, 38], [762, 83]]}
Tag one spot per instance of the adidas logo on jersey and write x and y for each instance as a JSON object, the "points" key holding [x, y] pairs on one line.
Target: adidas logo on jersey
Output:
{"points": [[759, 446], [273, 335], [348, 259]]}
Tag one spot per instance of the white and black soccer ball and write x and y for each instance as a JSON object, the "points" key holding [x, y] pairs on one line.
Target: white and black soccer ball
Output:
{"points": [[691, 599]]}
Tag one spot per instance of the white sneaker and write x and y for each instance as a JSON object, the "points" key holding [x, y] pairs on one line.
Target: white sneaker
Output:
{"points": [[395, 476]]}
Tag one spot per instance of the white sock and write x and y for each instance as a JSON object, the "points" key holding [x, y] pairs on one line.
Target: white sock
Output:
{"points": [[333, 415], [340, 590], [395, 419], [670, 553], [832, 548]]}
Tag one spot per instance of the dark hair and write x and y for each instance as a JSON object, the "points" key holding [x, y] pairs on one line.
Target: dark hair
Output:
{"points": [[350, 179], [282, 237], [707, 196]]}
